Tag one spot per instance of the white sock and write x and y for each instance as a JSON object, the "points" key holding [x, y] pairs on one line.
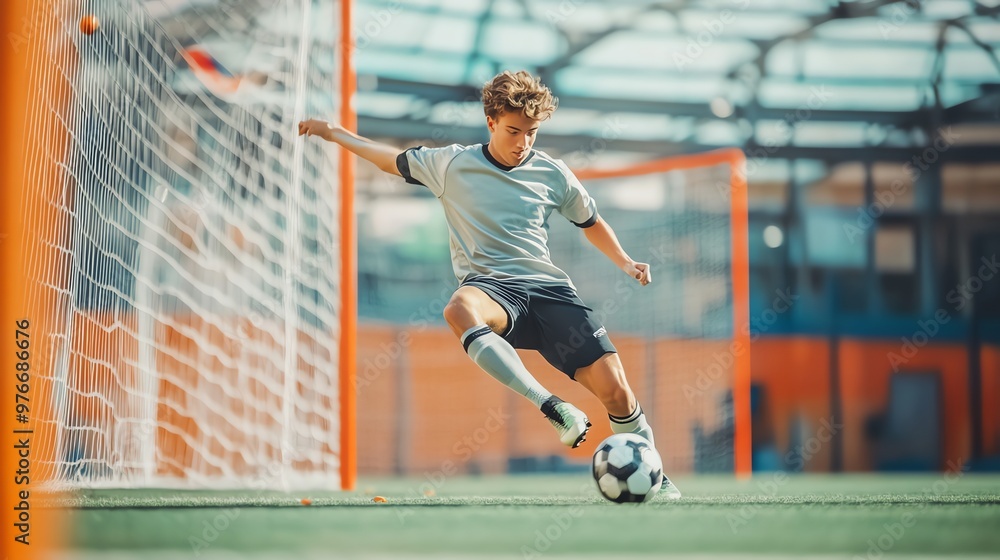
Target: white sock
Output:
{"points": [[499, 359], [634, 423]]}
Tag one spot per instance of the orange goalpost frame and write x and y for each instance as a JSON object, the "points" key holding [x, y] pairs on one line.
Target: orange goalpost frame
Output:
{"points": [[740, 255], [348, 267], [25, 246]]}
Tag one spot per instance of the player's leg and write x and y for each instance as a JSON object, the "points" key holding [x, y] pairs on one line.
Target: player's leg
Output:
{"points": [[605, 378], [478, 320]]}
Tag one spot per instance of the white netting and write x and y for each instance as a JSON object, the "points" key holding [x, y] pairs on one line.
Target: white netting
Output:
{"points": [[675, 334], [192, 285]]}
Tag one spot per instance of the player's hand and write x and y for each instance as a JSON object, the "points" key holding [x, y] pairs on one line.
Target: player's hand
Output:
{"points": [[639, 271], [317, 127]]}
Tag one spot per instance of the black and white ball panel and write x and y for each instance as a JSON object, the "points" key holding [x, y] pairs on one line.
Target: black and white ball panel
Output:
{"points": [[627, 469]]}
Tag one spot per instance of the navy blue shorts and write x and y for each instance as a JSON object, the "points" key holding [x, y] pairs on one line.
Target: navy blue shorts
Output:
{"points": [[550, 319]]}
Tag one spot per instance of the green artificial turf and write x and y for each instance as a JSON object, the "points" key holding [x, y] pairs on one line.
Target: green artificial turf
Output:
{"points": [[544, 516]]}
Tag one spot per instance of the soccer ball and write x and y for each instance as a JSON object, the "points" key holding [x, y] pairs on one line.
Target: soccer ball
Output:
{"points": [[627, 469]]}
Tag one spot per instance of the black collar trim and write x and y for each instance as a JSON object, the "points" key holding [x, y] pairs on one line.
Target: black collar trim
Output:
{"points": [[500, 166]]}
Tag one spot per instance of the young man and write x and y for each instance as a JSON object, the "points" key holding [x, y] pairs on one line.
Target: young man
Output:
{"points": [[497, 198]]}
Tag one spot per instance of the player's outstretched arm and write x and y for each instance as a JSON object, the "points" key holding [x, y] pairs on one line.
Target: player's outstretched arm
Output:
{"points": [[382, 155], [603, 237]]}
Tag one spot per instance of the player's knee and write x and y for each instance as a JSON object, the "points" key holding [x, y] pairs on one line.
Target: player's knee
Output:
{"points": [[451, 313], [458, 311]]}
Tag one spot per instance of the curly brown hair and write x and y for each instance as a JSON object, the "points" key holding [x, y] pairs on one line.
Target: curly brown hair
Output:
{"points": [[512, 92]]}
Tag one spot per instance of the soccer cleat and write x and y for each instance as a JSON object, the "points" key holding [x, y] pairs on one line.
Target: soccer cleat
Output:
{"points": [[667, 490], [568, 420]]}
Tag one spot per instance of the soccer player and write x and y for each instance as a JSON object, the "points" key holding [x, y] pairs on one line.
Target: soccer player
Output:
{"points": [[497, 198]]}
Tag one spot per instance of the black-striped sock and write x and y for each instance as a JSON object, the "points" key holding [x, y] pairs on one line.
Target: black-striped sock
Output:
{"points": [[634, 423], [499, 359]]}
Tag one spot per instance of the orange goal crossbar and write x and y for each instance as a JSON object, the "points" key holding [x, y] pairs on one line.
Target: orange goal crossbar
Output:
{"points": [[740, 251]]}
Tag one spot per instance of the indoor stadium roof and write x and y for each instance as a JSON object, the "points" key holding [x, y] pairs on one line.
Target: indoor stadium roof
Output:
{"points": [[821, 79], [686, 75]]}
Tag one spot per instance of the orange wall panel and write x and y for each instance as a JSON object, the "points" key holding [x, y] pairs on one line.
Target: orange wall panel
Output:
{"points": [[680, 384], [457, 412], [989, 367], [794, 375], [382, 351]]}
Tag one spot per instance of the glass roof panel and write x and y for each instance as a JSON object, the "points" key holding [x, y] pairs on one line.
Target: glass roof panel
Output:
{"points": [[659, 22], [719, 133], [641, 127], [828, 60], [384, 105], [830, 134], [458, 114], [885, 98], [450, 34], [473, 7], [805, 7], [737, 23], [668, 53], [385, 30], [946, 9], [534, 43], [570, 120], [580, 17], [879, 30], [632, 85], [970, 63], [412, 66]]}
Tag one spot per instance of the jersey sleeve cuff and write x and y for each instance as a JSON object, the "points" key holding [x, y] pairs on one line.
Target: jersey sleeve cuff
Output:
{"points": [[403, 166], [588, 223]]}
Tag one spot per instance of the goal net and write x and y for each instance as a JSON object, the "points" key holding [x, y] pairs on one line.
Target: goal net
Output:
{"points": [[186, 256], [688, 329]]}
